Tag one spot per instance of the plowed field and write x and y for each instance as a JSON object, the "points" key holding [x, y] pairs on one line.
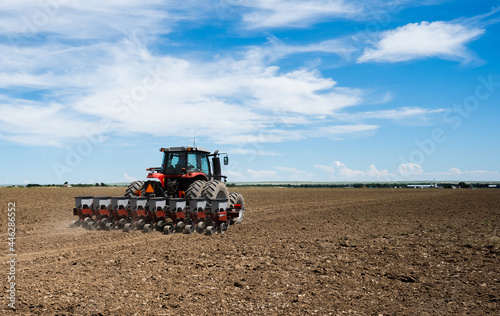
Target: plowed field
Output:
{"points": [[298, 252]]}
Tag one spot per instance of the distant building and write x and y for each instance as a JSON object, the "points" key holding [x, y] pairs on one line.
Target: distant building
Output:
{"points": [[421, 186]]}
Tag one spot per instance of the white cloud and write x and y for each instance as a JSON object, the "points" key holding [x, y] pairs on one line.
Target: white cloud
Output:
{"points": [[276, 49], [32, 124], [340, 172], [373, 173], [123, 82], [409, 169], [261, 174], [422, 40], [252, 152], [455, 171], [340, 131], [409, 115], [129, 178], [232, 99], [234, 175], [294, 13], [335, 132], [65, 18]]}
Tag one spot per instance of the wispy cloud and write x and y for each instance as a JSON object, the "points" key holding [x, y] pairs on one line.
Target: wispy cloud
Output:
{"points": [[276, 48], [75, 78], [129, 178], [340, 172], [270, 14], [407, 115], [252, 152], [29, 19], [31, 124], [125, 83], [440, 39], [295, 13], [261, 174]]}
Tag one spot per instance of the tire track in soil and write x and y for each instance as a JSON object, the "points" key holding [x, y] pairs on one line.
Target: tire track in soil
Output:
{"points": [[134, 239]]}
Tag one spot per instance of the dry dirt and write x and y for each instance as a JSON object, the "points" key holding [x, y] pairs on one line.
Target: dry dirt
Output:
{"points": [[298, 252]]}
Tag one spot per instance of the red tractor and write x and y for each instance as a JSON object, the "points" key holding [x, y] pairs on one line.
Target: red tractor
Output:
{"points": [[189, 172], [187, 193]]}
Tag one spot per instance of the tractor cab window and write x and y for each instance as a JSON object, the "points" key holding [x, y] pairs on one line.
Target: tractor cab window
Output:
{"points": [[197, 162], [204, 164], [193, 164], [174, 162]]}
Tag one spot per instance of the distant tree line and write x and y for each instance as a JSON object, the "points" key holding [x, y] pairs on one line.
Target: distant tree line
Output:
{"points": [[462, 185], [34, 185]]}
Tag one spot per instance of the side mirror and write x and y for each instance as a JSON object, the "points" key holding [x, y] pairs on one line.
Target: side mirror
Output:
{"points": [[226, 160]]}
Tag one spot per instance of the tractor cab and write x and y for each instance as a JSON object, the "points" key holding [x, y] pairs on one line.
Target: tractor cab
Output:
{"points": [[191, 162], [181, 167], [185, 162]]}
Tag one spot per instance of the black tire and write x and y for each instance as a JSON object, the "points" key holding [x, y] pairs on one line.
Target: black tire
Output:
{"points": [[195, 189], [148, 228], [127, 227], [211, 230], [159, 225], [222, 228], [188, 229], [91, 225], [237, 198], [122, 223], [168, 229], [102, 223], [133, 187], [200, 227], [215, 190], [140, 223], [179, 227], [110, 226]]}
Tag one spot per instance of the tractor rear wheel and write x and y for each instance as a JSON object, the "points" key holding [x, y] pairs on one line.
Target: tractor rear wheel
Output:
{"points": [[234, 199], [134, 187], [195, 189], [215, 190]]}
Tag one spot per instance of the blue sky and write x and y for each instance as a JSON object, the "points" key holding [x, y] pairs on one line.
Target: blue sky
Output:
{"points": [[317, 90]]}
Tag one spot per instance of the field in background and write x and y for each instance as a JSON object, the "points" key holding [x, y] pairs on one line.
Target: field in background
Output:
{"points": [[299, 251]]}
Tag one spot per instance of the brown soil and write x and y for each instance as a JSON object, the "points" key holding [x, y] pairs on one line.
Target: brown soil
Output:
{"points": [[298, 252]]}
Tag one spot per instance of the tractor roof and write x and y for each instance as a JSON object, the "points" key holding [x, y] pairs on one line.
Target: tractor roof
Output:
{"points": [[184, 148]]}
